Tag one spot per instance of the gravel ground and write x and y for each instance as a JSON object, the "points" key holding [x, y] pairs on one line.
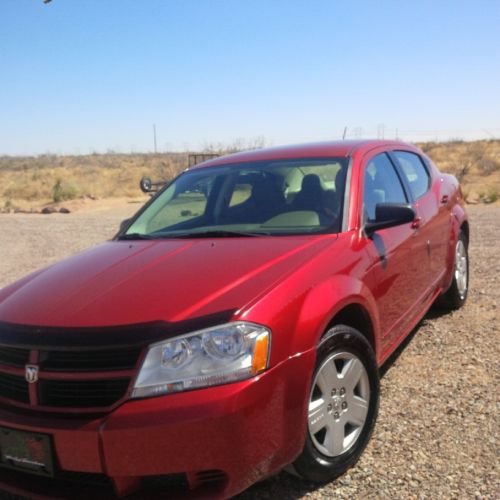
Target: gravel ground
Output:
{"points": [[437, 430]]}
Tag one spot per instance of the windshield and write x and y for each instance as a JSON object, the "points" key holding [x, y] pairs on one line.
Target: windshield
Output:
{"points": [[248, 199]]}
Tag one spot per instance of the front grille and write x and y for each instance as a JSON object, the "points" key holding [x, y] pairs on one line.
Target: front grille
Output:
{"points": [[11, 356], [83, 394], [213, 477], [83, 478], [15, 388], [165, 482], [105, 360], [65, 484], [91, 379]]}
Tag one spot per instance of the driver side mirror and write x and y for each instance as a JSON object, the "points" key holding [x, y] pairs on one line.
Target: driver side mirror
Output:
{"points": [[389, 215]]}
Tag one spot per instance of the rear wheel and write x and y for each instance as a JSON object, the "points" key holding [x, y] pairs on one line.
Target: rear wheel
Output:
{"points": [[343, 404], [456, 295]]}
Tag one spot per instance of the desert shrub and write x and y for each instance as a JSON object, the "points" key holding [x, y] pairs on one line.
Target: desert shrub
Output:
{"points": [[488, 165], [64, 191], [427, 146], [492, 196]]}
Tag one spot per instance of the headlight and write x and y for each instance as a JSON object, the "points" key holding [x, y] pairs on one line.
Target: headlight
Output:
{"points": [[218, 355]]}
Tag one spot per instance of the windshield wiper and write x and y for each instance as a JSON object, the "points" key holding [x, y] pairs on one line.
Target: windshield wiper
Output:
{"points": [[216, 233], [136, 236]]}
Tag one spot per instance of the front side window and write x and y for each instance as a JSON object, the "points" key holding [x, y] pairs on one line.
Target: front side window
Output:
{"points": [[381, 185], [270, 198], [414, 171]]}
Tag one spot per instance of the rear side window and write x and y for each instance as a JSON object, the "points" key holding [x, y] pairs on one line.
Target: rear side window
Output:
{"points": [[382, 185], [414, 171]]}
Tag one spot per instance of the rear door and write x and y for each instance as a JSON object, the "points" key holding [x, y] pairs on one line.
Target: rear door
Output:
{"points": [[434, 218], [395, 253]]}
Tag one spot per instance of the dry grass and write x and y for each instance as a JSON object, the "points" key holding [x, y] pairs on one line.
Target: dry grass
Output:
{"points": [[32, 181], [29, 182], [476, 164]]}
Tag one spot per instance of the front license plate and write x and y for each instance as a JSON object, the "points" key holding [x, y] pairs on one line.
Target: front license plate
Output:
{"points": [[26, 451]]}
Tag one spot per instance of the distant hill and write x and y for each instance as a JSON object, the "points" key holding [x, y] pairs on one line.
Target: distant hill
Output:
{"points": [[29, 182]]}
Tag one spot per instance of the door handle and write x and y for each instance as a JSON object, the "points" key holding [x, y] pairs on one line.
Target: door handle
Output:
{"points": [[416, 223]]}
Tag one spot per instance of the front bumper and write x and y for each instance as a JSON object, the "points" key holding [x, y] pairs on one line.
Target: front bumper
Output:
{"points": [[220, 439]]}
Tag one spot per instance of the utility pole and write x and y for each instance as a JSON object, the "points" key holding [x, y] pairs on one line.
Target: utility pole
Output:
{"points": [[345, 133], [380, 131], [154, 136]]}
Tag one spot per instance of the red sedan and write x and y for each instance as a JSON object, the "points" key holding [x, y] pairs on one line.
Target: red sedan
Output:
{"points": [[235, 326]]}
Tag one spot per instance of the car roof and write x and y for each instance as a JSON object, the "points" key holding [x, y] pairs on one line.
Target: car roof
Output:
{"points": [[309, 150]]}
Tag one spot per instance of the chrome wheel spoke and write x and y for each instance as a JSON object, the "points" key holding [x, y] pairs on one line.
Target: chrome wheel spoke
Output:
{"points": [[352, 372], [318, 416], [358, 409], [461, 267], [334, 438], [327, 376]]}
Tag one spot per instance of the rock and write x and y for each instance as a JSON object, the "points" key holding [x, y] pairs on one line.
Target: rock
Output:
{"points": [[48, 210]]}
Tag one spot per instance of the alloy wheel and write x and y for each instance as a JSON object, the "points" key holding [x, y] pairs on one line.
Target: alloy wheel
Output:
{"points": [[338, 406]]}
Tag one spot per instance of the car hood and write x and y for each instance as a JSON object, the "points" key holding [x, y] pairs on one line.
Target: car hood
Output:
{"points": [[130, 282]]}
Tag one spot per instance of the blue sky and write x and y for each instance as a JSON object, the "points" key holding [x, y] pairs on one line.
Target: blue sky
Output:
{"points": [[78, 76]]}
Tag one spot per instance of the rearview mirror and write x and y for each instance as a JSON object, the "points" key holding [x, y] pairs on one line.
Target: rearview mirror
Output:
{"points": [[389, 215]]}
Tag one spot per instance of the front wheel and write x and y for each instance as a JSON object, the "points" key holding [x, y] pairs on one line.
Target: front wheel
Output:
{"points": [[343, 405]]}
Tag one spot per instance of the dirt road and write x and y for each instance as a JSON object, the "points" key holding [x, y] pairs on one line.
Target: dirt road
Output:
{"points": [[437, 431]]}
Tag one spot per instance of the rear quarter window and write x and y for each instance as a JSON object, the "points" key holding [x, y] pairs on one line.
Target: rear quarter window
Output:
{"points": [[414, 171]]}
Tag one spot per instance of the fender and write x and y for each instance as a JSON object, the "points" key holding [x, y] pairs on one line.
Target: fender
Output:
{"points": [[319, 307], [326, 300]]}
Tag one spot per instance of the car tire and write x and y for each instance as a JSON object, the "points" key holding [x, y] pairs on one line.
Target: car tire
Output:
{"points": [[456, 295], [343, 405]]}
